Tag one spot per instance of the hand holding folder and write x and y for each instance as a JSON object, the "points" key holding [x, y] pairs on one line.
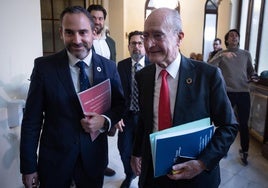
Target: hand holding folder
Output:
{"points": [[96, 99], [178, 144]]}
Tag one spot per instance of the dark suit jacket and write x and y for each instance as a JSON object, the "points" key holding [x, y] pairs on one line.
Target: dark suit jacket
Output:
{"points": [[203, 96], [53, 109], [111, 44], [124, 68]]}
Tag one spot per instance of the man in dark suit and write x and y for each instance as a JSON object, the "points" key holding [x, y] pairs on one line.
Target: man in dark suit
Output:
{"points": [[54, 117], [103, 45], [127, 125], [196, 90]]}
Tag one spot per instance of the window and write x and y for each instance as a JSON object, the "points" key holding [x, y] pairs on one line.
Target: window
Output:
{"points": [[50, 14], [150, 5], [254, 30], [210, 26]]}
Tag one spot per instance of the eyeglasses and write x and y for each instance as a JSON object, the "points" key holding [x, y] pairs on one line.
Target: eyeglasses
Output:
{"points": [[134, 43]]}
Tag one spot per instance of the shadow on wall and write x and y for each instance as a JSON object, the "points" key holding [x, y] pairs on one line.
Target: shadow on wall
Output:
{"points": [[9, 158], [11, 111]]}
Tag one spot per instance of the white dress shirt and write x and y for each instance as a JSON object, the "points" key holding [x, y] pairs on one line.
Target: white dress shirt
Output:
{"points": [[101, 47], [172, 79]]}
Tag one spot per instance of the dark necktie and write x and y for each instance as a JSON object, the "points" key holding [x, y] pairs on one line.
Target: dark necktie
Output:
{"points": [[83, 78], [164, 114], [134, 106]]}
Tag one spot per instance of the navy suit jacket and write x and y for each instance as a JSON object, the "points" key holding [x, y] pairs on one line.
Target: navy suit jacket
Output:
{"points": [[53, 111], [124, 68], [200, 93]]}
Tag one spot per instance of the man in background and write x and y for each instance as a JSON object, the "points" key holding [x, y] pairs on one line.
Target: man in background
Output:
{"points": [[104, 46], [127, 69], [237, 69], [216, 48]]}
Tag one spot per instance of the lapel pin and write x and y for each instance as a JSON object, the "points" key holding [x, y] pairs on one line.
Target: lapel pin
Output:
{"points": [[189, 80], [98, 69]]}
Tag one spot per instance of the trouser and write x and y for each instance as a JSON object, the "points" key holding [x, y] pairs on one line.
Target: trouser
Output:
{"points": [[82, 180], [241, 103], [79, 177], [125, 141]]}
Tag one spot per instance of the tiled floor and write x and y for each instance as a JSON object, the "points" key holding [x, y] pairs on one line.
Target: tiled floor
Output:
{"points": [[233, 173]]}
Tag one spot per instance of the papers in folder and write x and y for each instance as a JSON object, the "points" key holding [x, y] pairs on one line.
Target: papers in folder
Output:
{"points": [[96, 99], [179, 143]]}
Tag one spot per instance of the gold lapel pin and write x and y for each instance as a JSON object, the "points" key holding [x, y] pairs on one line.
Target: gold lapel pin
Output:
{"points": [[189, 80]]}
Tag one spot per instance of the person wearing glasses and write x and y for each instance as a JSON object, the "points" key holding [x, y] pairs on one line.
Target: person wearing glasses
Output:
{"points": [[216, 48], [191, 90], [127, 125]]}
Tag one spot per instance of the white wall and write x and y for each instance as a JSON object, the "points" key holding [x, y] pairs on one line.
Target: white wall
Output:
{"points": [[21, 42], [21, 39], [192, 26]]}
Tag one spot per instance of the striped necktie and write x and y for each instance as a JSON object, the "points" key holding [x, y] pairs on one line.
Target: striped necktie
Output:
{"points": [[134, 105]]}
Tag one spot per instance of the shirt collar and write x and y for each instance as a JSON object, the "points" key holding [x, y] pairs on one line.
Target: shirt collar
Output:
{"points": [[73, 60], [141, 61], [172, 68]]}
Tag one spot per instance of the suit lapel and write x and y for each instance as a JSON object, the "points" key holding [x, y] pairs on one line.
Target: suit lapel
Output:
{"points": [[97, 69], [148, 83], [129, 72], [185, 85], [64, 74]]}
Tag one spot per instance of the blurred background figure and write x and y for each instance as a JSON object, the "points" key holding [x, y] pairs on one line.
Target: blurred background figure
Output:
{"points": [[199, 57], [192, 55], [237, 70], [216, 48]]}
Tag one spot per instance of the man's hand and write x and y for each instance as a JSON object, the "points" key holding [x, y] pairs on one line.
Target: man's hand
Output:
{"points": [[120, 125], [30, 180], [92, 122], [228, 54], [187, 170], [136, 165]]}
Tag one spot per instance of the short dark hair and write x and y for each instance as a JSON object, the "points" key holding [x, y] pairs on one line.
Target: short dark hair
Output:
{"points": [[77, 10], [97, 8], [227, 36], [217, 39], [131, 34]]}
